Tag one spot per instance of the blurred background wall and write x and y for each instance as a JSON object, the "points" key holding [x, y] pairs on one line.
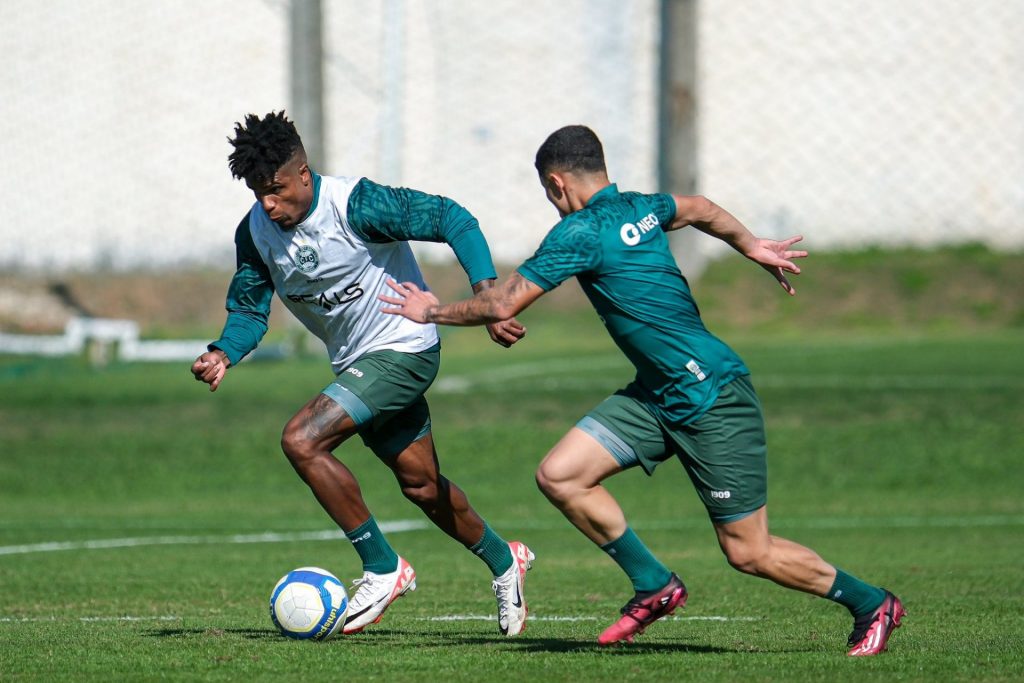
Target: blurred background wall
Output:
{"points": [[854, 122]]}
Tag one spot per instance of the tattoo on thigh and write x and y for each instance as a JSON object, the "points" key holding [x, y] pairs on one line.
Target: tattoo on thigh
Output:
{"points": [[323, 418]]}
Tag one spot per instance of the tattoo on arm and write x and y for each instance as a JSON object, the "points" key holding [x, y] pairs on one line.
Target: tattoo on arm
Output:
{"points": [[488, 306], [482, 285], [517, 285]]}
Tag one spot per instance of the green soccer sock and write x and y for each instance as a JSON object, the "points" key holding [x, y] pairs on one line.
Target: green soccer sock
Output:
{"points": [[493, 550], [642, 568], [858, 597], [374, 550]]}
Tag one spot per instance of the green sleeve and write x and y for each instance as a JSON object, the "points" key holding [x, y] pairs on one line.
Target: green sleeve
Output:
{"points": [[572, 247], [248, 302], [379, 213], [664, 208]]}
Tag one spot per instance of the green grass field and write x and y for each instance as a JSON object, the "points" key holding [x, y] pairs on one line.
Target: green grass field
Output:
{"points": [[143, 520]]}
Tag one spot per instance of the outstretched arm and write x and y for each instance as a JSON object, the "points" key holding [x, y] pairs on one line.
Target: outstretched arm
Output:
{"points": [[501, 302], [379, 213], [772, 255]]}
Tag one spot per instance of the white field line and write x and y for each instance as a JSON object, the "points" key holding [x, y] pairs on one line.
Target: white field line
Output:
{"points": [[87, 620], [403, 525], [270, 537]]}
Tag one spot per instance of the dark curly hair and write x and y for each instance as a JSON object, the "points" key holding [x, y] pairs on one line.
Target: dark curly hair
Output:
{"points": [[262, 146], [572, 148]]}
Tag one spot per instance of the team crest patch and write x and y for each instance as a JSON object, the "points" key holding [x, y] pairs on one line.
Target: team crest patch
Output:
{"points": [[306, 259]]}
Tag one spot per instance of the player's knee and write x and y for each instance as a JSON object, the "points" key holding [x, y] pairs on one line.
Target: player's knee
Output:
{"points": [[744, 558], [421, 493], [543, 483], [297, 448], [552, 487]]}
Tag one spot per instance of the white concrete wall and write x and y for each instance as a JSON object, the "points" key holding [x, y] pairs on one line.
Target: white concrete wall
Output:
{"points": [[866, 121], [851, 121]]}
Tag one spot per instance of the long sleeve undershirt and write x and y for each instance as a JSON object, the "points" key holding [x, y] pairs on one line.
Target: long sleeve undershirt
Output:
{"points": [[376, 213]]}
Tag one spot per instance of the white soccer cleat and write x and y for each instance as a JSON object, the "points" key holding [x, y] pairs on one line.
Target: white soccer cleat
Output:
{"points": [[374, 593], [508, 588]]}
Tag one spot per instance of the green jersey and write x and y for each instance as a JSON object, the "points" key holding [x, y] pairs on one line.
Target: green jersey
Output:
{"points": [[617, 248]]}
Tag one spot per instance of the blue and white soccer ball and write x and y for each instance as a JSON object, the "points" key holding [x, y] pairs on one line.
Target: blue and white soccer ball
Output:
{"points": [[309, 603]]}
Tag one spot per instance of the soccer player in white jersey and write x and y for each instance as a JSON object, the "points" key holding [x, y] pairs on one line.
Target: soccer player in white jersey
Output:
{"points": [[327, 246]]}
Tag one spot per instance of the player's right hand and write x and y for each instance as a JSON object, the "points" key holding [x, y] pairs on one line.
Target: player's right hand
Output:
{"points": [[211, 367], [507, 332], [409, 301], [774, 256]]}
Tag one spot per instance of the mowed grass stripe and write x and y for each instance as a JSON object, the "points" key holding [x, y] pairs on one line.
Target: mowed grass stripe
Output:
{"points": [[420, 525]]}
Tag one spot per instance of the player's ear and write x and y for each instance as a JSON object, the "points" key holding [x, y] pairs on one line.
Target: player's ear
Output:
{"points": [[305, 175], [555, 184]]}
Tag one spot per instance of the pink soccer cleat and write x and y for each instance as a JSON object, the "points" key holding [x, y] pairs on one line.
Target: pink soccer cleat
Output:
{"points": [[644, 610], [871, 632]]}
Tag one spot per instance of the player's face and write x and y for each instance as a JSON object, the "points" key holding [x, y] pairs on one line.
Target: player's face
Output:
{"points": [[288, 195]]}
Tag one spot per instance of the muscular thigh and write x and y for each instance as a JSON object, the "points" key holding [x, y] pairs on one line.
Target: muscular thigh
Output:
{"points": [[382, 392], [416, 464], [578, 459], [628, 431], [321, 422]]}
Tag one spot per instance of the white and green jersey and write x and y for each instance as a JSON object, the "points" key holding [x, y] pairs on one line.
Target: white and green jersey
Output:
{"points": [[329, 269]]}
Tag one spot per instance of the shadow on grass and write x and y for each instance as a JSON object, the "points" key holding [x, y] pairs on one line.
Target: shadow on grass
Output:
{"points": [[251, 633], [562, 645], [445, 639]]}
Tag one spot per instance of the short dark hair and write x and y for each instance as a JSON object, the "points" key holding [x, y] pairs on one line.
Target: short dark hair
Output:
{"points": [[262, 146], [572, 148]]}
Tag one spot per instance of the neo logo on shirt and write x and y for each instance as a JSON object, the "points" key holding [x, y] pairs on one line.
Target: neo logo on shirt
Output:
{"points": [[631, 233], [306, 259]]}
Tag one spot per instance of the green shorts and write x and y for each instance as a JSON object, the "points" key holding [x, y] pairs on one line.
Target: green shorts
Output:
{"points": [[724, 451], [383, 393]]}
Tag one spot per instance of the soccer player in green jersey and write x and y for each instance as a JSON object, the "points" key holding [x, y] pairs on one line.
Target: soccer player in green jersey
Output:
{"points": [[328, 246], [692, 397]]}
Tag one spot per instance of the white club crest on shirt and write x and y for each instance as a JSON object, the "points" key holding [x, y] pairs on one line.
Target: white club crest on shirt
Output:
{"points": [[306, 259]]}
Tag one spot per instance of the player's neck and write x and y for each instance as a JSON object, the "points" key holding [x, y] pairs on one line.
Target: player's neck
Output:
{"points": [[581, 191]]}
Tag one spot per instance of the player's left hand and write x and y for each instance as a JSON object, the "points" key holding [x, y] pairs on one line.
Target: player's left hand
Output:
{"points": [[506, 332], [774, 256], [411, 301]]}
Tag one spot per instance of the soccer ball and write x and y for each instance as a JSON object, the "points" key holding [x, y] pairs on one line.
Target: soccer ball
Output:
{"points": [[308, 603]]}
